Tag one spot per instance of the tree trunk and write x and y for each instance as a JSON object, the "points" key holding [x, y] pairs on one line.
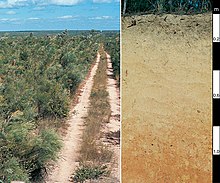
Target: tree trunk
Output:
{"points": [[124, 8]]}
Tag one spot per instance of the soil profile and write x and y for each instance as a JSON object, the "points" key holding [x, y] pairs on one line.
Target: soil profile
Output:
{"points": [[166, 103]]}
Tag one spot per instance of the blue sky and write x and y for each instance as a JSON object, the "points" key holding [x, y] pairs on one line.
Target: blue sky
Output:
{"points": [[17, 15]]}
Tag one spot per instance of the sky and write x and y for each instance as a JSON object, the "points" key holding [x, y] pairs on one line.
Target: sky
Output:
{"points": [[21, 15]]}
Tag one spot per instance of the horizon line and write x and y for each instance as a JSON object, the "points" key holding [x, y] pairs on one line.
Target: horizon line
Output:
{"points": [[37, 30]]}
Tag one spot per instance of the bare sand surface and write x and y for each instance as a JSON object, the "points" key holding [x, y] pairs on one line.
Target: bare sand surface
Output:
{"points": [[113, 127], [166, 103], [71, 142]]}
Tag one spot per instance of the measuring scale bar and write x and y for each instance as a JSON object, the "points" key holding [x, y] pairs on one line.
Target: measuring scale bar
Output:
{"points": [[216, 32]]}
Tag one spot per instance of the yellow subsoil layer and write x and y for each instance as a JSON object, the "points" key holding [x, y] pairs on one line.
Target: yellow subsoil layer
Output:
{"points": [[166, 103]]}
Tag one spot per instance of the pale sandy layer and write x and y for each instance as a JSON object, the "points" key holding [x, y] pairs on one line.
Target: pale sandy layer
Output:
{"points": [[166, 99]]}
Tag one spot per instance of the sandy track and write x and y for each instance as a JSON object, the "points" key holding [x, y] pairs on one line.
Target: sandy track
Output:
{"points": [[114, 98], [71, 142], [166, 103], [114, 124]]}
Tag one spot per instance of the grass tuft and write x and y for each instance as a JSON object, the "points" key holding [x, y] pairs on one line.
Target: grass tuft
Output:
{"points": [[88, 172]]}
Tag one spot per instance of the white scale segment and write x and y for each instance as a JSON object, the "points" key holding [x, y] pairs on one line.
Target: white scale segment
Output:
{"points": [[216, 140], [216, 36], [216, 85]]}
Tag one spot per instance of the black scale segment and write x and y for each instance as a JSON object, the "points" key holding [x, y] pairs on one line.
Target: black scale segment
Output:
{"points": [[216, 55]]}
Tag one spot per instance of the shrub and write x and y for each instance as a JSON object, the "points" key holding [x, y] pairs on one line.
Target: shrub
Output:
{"points": [[11, 170], [24, 152], [23, 56], [89, 172], [52, 100], [67, 58]]}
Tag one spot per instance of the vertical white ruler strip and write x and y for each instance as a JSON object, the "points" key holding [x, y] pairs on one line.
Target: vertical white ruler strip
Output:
{"points": [[216, 141], [216, 36], [216, 85]]}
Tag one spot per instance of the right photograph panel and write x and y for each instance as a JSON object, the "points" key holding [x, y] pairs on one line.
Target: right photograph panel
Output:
{"points": [[166, 91]]}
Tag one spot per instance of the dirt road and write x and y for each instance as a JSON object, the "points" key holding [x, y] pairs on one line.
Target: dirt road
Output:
{"points": [[71, 142], [166, 103]]}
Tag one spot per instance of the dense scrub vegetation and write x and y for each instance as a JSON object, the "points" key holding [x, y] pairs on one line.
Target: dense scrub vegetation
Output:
{"points": [[38, 76], [112, 47], [166, 6]]}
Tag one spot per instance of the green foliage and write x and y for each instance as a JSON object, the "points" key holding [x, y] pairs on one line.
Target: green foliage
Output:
{"points": [[39, 73], [67, 58], [167, 6], [23, 56], [45, 148], [23, 150], [88, 172], [10, 170], [51, 99], [112, 46], [37, 77]]}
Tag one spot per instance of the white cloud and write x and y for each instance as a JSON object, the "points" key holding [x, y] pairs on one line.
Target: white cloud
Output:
{"points": [[13, 19], [106, 17], [15, 3], [33, 18], [64, 2], [8, 19], [3, 19], [38, 8], [4, 5], [101, 1], [66, 17], [12, 3], [10, 12], [101, 18]]}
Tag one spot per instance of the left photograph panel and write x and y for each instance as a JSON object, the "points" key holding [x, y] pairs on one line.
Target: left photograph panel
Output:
{"points": [[59, 91]]}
